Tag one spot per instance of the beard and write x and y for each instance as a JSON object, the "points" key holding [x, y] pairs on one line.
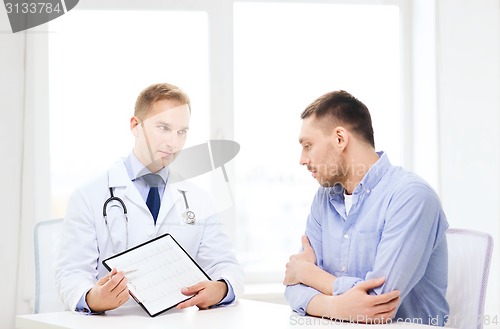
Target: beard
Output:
{"points": [[331, 180], [330, 169], [331, 175]]}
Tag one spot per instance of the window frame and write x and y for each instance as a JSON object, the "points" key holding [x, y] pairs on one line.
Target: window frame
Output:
{"points": [[221, 83]]}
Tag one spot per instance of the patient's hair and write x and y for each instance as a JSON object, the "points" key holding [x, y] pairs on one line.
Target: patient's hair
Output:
{"points": [[341, 108], [158, 92]]}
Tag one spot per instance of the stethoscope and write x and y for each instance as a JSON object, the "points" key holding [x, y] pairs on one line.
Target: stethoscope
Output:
{"points": [[105, 215], [189, 217]]}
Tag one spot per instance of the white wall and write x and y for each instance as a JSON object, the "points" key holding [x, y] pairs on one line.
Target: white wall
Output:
{"points": [[468, 92], [424, 92], [11, 141], [456, 113], [25, 192]]}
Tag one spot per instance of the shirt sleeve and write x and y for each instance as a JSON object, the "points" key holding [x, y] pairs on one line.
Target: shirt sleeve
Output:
{"points": [[83, 307], [230, 296], [299, 295], [344, 283], [412, 230]]}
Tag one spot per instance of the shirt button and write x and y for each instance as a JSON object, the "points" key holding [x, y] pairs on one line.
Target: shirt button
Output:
{"points": [[343, 268], [368, 190], [150, 232], [346, 236]]}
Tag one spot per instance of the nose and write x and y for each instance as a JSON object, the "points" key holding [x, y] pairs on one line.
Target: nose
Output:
{"points": [[304, 160], [172, 141]]}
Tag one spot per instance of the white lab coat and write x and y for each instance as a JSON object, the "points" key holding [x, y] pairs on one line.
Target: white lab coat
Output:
{"points": [[85, 242]]}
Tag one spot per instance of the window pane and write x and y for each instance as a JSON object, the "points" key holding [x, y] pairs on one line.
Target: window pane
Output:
{"points": [[99, 62], [286, 55]]}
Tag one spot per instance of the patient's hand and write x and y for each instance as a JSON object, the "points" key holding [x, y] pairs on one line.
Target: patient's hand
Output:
{"points": [[298, 264], [356, 304]]}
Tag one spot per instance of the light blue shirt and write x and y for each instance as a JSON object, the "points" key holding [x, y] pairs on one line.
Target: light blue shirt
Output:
{"points": [[395, 229], [136, 170]]}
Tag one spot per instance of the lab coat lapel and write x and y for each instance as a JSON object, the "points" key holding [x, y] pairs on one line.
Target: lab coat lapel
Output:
{"points": [[118, 177], [170, 198]]}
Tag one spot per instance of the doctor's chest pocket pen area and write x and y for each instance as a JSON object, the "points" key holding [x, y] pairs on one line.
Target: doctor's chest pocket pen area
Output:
{"points": [[188, 236]]}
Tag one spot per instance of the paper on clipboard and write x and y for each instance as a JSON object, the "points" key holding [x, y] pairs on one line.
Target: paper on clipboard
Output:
{"points": [[157, 271]]}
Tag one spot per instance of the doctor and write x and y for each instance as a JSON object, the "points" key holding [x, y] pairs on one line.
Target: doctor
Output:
{"points": [[160, 125]]}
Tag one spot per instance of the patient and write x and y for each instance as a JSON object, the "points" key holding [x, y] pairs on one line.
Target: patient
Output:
{"points": [[374, 249]]}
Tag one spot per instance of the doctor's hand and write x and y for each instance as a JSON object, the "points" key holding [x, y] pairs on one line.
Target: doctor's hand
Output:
{"points": [[300, 264], [109, 292], [207, 293]]}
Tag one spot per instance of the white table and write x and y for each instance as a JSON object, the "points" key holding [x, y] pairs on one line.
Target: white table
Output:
{"points": [[244, 314]]}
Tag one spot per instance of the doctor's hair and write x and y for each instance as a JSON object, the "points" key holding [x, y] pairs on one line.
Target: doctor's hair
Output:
{"points": [[158, 92], [341, 108]]}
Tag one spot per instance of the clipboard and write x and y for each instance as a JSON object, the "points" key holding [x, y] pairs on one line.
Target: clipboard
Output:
{"points": [[157, 270]]}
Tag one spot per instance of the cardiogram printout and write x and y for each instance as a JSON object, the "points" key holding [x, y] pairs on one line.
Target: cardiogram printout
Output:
{"points": [[157, 270]]}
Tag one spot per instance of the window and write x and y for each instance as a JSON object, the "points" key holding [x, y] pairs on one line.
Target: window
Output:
{"points": [[99, 62], [285, 56], [271, 58]]}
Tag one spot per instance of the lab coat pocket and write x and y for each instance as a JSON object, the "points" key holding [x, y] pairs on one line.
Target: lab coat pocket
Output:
{"points": [[189, 237]]}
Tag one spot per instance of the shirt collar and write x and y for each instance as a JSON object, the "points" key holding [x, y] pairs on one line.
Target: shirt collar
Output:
{"points": [[371, 178], [375, 173], [136, 169]]}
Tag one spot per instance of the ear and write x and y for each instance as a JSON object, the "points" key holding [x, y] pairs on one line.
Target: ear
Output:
{"points": [[134, 126], [341, 138]]}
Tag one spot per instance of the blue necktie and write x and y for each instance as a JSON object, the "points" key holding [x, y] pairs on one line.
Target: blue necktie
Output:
{"points": [[153, 200]]}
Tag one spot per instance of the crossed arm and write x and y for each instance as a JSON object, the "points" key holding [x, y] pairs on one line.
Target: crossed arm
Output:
{"points": [[354, 305]]}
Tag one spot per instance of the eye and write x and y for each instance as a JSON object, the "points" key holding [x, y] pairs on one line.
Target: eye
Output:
{"points": [[163, 127], [307, 147], [182, 132]]}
